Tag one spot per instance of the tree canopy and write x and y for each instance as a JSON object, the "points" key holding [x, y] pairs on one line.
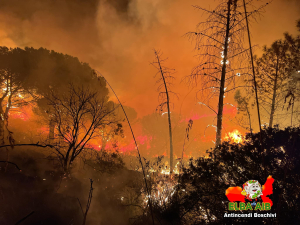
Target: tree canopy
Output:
{"points": [[42, 69]]}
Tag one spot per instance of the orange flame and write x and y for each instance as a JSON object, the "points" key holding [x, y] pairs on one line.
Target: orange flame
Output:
{"points": [[234, 136]]}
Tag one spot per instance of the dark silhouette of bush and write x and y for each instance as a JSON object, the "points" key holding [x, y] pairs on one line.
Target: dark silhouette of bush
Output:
{"points": [[206, 179]]}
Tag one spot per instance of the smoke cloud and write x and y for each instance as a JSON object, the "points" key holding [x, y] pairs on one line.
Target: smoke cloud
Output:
{"points": [[117, 37]]}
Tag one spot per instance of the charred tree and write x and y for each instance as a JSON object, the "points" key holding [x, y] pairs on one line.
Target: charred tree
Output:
{"points": [[88, 204], [222, 81], [222, 58], [164, 81], [80, 114], [252, 65]]}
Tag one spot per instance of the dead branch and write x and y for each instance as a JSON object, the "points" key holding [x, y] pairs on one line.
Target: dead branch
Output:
{"points": [[12, 164], [135, 142], [88, 204], [36, 145], [80, 206], [21, 220]]}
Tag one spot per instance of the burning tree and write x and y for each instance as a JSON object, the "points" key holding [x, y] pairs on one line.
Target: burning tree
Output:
{"points": [[80, 115], [221, 54], [29, 73], [12, 85]]}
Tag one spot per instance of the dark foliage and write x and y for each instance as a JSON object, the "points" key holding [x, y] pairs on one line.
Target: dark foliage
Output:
{"points": [[53, 196], [43, 70], [207, 179], [35, 189], [200, 194]]}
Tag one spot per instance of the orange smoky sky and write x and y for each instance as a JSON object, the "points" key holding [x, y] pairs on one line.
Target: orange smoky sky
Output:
{"points": [[117, 37]]}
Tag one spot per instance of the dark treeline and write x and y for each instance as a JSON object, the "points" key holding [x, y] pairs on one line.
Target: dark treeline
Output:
{"points": [[39, 184]]}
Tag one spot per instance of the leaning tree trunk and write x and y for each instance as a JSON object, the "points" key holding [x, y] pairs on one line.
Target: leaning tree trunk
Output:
{"points": [[253, 69], [169, 116], [222, 84], [88, 205], [274, 95]]}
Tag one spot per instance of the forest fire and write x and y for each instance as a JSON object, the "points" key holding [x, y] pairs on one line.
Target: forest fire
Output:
{"points": [[97, 128], [165, 170], [163, 190], [19, 115], [24, 113], [234, 136], [163, 187]]}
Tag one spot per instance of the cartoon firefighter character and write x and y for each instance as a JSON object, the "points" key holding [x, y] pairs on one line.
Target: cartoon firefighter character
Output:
{"points": [[252, 189]]}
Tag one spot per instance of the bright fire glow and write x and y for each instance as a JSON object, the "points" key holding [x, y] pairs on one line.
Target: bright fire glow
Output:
{"points": [[166, 170], [234, 136], [163, 189]]}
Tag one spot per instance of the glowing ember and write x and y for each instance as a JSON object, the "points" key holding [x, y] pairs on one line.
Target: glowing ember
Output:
{"points": [[163, 189], [234, 136], [166, 170], [19, 115]]}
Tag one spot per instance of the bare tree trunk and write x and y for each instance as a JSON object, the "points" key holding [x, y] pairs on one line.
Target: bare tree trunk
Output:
{"points": [[274, 95], [255, 87], [253, 70], [222, 84], [249, 117], [169, 116], [68, 159], [88, 203], [170, 135]]}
